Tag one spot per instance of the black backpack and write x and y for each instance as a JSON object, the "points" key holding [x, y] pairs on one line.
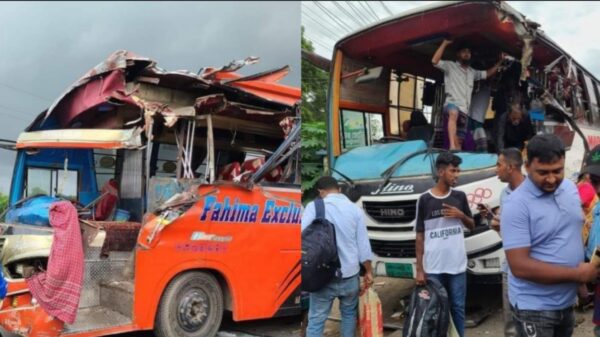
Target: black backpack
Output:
{"points": [[429, 311], [320, 260]]}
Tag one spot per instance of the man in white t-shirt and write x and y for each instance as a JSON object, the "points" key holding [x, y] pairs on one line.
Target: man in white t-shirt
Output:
{"points": [[458, 82], [441, 214]]}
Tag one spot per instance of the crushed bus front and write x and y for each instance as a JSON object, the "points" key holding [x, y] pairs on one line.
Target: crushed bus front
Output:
{"points": [[200, 188]]}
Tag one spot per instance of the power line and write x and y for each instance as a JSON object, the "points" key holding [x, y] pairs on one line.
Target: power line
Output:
{"points": [[373, 10], [342, 9], [13, 109], [25, 92], [366, 8], [358, 12], [328, 31], [319, 19], [318, 42], [7, 112], [360, 20], [342, 24], [386, 8]]}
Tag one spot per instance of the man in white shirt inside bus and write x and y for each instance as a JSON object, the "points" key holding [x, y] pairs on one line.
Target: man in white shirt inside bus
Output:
{"points": [[458, 81]]}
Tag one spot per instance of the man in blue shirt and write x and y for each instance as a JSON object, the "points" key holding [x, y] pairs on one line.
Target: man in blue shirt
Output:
{"points": [[541, 232], [354, 249]]}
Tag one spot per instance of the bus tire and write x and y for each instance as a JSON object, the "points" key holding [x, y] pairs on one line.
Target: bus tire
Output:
{"points": [[192, 306]]}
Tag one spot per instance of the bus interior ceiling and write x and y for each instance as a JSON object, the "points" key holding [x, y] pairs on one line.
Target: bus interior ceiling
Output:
{"points": [[404, 48]]}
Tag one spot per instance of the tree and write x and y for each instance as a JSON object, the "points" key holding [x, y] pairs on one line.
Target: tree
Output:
{"points": [[314, 87], [314, 131], [313, 140], [3, 202]]}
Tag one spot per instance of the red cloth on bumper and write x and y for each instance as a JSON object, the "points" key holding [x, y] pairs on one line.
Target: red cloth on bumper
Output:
{"points": [[58, 289]]}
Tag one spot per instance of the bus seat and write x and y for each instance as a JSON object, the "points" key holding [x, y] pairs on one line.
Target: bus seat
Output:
{"points": [[105, 208], [252, 165], [230, 171], [274, 175]]}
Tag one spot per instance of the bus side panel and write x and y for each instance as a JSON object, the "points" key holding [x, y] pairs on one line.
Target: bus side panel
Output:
{"points": [[251, 238]]}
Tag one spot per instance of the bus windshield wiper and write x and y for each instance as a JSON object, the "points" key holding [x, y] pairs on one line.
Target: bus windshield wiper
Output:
{"points": [[343, 176], [387, 174]]}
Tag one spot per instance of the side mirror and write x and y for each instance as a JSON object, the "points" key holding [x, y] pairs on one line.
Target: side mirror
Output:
{"points": [[371, 74]]}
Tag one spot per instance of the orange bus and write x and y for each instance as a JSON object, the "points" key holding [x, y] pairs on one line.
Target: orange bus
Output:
{"points": [[205, 215]]}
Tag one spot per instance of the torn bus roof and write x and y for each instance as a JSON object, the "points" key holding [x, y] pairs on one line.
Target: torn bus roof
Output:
{"points": [[114, 84], [407, 41]]}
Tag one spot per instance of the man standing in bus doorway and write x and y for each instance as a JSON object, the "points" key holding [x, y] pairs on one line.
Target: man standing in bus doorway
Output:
{"points": [[458, 80], [441, 214], [541, 233], [508, 169], [354, 249]]}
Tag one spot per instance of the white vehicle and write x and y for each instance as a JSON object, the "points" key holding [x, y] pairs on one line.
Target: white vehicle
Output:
{"points": [[381, 73]]}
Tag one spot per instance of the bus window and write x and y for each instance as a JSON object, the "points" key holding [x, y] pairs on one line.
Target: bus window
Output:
{"points": [[360, 128], [166, 163], [592, 100], [52, 182], [597, 92], [105, 165], [407, 94]]}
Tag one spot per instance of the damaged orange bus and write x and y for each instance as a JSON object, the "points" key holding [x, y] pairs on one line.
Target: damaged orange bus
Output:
{"points": [[199, 208]]}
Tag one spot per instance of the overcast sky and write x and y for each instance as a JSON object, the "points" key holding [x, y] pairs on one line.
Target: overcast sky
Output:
{"points": [[46, 46], [574, 25]]}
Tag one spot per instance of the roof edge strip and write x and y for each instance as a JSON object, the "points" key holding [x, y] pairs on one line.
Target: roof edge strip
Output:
{"points": [[81, 138]]}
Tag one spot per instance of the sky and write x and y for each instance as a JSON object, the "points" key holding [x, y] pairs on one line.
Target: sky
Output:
{"points": [[46, 46], [574, 25]]}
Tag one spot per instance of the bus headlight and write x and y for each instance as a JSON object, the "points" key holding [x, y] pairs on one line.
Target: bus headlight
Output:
{"points": [[491, 263]]}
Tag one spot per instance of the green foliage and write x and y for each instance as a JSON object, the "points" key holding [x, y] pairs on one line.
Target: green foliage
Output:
{"points": [[314, 131], [314, 137], [3, 202], [314, 87]]}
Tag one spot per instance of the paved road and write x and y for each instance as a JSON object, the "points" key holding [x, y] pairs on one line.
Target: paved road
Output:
{"points": [[484, 304], [276, 327]]}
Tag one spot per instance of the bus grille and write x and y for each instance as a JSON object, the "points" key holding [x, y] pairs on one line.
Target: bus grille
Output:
{"points": [[391, 211], [394, 248]]}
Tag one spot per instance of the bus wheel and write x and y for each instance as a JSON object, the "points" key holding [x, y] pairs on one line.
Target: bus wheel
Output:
{"points": [[192, 306]]}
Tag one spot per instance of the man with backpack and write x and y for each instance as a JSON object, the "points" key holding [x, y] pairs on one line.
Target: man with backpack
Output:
{"points": [[441, 214], [353, 249]]}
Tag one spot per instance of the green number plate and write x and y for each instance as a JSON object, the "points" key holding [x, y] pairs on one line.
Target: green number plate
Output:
{"points": [[402, 270]]}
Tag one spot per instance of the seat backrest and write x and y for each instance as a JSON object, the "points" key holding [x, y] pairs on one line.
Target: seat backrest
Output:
{"points": [[274, 175], [423, 133], [105, 208], [230, 171]]}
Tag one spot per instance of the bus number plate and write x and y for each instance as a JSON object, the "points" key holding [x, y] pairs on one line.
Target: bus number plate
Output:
{"points": [[402, 270]]}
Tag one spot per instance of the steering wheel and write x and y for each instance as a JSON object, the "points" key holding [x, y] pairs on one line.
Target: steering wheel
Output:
{"points": [[389, 139]]}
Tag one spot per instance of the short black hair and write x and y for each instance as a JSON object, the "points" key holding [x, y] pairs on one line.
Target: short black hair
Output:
{"points": [[513, 156], [463, 45], [547, 148], [327, 183], [447, 158]]}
